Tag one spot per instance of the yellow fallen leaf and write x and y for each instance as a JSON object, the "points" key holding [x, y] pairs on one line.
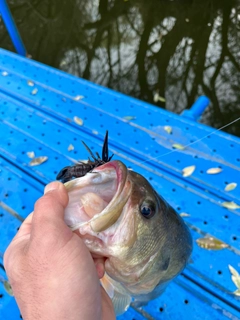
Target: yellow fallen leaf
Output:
{"points": [[233, 271], [129, 118], [77, 98], [235, 279], [63, 63], [237, 292], [83, 161], [184, 214], [70, 147], [211, 243], [168, 129], [78, 121], [186, 172], [230, 205], [31, 154], [37, 161], [162, 99], [231, 186], [4, 73], [178, 146], [95, 132], [214, 170], [34, 91], [30, 83], [8, 287], [157, 98]]}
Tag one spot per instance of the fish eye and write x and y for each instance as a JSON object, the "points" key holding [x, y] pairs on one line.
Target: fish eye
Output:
{"points": [[148, 210]]}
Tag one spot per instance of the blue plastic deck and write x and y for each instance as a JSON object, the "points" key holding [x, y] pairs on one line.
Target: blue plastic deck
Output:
{"points": [[40, 118]]}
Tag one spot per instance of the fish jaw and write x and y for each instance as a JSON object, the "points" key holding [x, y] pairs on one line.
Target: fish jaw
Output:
{"points": [[109, 187]]}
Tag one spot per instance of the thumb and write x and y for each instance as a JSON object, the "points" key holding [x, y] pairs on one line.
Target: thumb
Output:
{"points": [[48, 216]]}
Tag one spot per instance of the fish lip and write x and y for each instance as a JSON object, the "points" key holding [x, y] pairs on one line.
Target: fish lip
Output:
{"points": [[112, 211], [120, 170], [121, 179]]}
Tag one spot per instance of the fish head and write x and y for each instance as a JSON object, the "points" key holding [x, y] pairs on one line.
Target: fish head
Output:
{"points": [[120, 216]]}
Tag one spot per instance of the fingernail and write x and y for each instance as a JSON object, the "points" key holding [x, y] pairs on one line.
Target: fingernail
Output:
{"points": [[52, 186]]}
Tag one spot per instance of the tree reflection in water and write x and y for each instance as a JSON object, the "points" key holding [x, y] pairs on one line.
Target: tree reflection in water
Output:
{"points": [[178, 49]]}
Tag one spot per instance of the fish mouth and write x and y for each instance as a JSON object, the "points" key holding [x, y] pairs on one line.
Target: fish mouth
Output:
{"points": [[97, 199]]}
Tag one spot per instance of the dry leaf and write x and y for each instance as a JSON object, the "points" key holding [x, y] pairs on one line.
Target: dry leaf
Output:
{"points": [[233, 271], [83, 161], [77, 98], [35, 91], [95, 132], [186, 172], [184, 214], [37, 161], [30, 83], [211, 243], [4, 73], [236, 279], [8, 287], [157, 98], [237, 292], [78, 121], [31, 154], [63, 63], [168, 129], [70, 147], [230, 205], [178, 146], [129, 118], [214, 170], [230, 186]]}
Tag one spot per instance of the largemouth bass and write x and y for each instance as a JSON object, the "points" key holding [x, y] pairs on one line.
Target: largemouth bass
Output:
{"points": [[121, 217]]}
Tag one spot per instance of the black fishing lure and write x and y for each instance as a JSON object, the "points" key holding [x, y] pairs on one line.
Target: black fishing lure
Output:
{"points": [[80, 169]]}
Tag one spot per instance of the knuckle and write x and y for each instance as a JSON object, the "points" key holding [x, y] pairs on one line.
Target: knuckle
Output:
{"points": [[39, 203], [52, 199], [46, 203]]}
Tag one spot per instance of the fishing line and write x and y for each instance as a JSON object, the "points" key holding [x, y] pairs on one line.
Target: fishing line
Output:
{"points": [[172, 151]]}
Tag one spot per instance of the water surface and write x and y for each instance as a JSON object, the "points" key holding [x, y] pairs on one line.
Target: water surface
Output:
{"points": [[174, 50]]}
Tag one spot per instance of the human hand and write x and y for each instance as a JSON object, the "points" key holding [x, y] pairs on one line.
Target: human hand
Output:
{"points": [[52, 273]]}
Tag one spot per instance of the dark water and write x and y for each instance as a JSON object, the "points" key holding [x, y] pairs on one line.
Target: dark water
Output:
{"points": [[178, 49]]}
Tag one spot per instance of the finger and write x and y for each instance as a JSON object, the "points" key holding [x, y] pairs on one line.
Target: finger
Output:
{"points": [[48, 217]]}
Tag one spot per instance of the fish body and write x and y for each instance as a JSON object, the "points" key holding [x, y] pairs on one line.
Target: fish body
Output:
{"points": [[120, 216]]}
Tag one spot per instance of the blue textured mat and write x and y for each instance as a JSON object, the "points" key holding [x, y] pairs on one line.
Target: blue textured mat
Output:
{"points": [[43, 121]]}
